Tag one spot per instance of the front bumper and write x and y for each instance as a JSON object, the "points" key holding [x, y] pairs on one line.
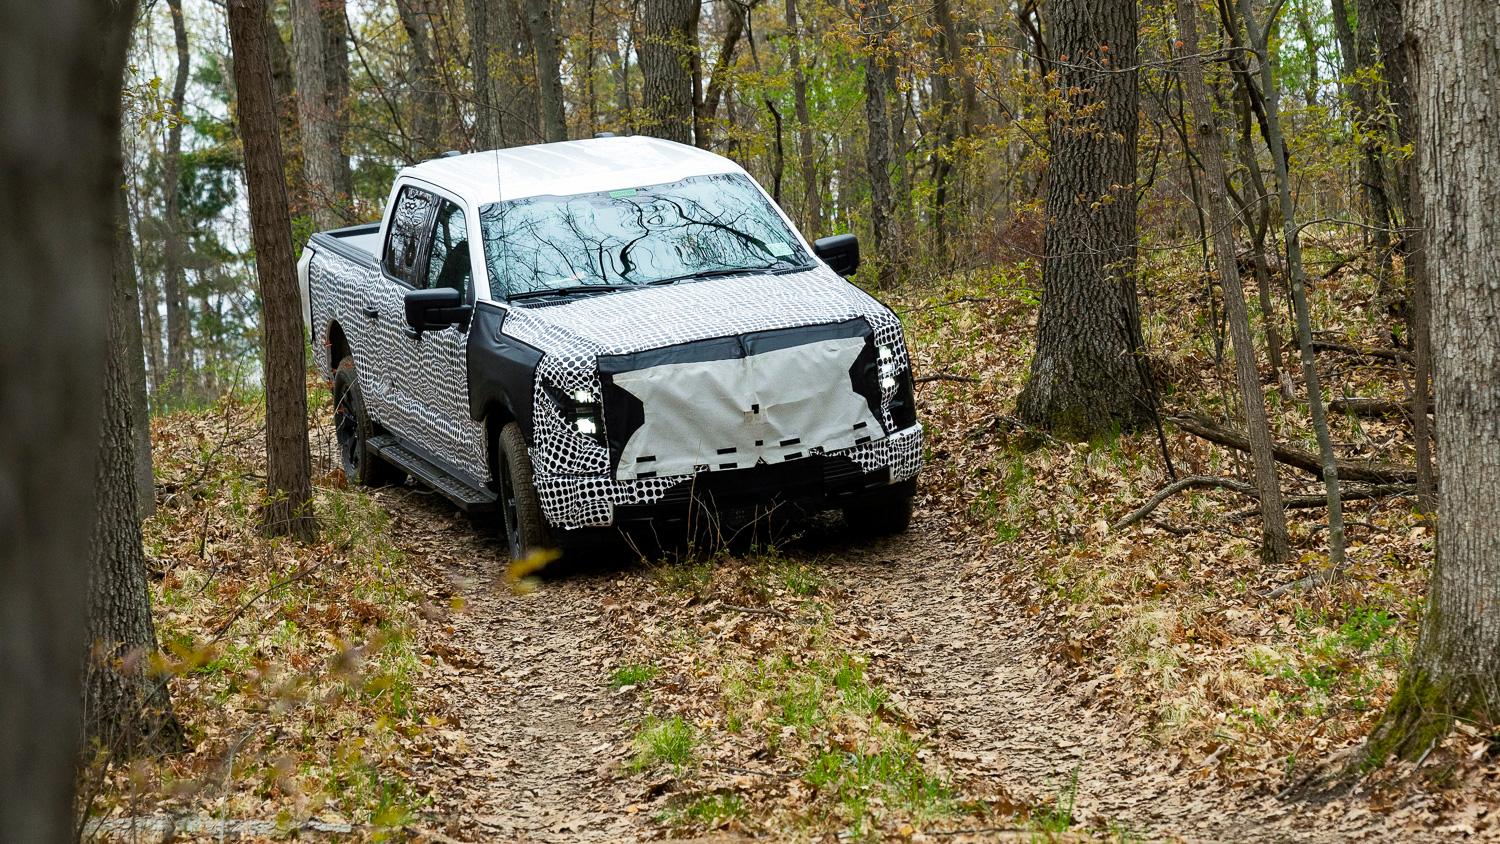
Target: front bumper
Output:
{"points": [[817, 480]]}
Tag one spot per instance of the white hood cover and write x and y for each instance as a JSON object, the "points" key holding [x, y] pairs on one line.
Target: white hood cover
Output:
{"points": [[763, 408]]}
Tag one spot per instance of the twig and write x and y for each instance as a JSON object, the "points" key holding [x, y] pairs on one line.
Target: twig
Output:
{"points": [[755, 610], [1189, 482], [959, 301], [943, 376]]}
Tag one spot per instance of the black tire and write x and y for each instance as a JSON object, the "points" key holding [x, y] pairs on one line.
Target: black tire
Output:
{"points": [[526, 529], [353, 429], [884, 513]]}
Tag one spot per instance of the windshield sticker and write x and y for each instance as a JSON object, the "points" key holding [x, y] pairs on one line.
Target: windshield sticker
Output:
{"points": [[779, 249], [621, 194]]}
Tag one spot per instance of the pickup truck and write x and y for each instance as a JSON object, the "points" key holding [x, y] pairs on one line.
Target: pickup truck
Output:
{"points": [[602, 332]]}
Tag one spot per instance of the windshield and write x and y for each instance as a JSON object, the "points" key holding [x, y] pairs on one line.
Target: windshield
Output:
{"points": [[703, 225]]}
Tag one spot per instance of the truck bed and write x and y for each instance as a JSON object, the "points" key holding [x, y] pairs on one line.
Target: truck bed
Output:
{"points": [[359, 243]]}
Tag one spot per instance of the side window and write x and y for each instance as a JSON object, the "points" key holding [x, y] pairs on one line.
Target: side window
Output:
{"points": [[410, 221], [448, 263]]}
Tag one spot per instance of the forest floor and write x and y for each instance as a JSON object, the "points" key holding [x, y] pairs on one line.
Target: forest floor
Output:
{"points": [[1012, 667]]}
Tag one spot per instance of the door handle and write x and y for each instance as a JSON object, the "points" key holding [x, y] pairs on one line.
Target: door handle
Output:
{"points": [[371, 312]]}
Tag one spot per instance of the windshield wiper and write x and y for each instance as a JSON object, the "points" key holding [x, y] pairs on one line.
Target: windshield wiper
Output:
{"points": [[728, 271], [565, 291]]}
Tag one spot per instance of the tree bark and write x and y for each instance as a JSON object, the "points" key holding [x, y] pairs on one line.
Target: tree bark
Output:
{"points": [[501, 58], [1455, 669], [288, 509], [1086, 376], [321, 49], [668, 52], [705, 111], [876, 23], [546, 41], [126, 709], [1290, 232], [174, 246], [812, 195], [1276, 544], [59, 161], [427, 85], [134, 356]]}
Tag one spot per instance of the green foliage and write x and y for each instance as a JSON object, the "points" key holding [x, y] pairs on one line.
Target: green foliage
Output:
{"points": [[668, 741], [632, 675]]}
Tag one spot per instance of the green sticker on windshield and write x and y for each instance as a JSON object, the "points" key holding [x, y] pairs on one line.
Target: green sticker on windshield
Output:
{"points": [[621, 194], [779, 249]]}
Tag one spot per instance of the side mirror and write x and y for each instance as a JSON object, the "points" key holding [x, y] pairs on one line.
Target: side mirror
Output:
{"points": [[840, 252], [439, 307]]}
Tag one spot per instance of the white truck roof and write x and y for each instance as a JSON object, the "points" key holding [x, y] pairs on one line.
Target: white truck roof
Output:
{"points": [[569, 167]]}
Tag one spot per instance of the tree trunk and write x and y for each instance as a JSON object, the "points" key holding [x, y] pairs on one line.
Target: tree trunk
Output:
{"points": [[1388, 21], [318, 39], [705, 111], [501, 58], [668, 52], [1087, 376], [1276, 545], [541, 24], [60, 154], [486, 115], [812, 195], [1277, 146], [1455, 669], [174, 244], [877, 23], [1358, 51], [126, 709], [134, 356], [427, 85], [288, 508]]}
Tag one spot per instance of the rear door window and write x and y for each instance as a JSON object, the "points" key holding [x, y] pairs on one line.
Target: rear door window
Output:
{"points": [[411, 220]]}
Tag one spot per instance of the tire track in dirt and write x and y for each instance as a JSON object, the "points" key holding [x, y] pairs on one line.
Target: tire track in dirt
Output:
{"points": [[959, 653], [524, 676]]}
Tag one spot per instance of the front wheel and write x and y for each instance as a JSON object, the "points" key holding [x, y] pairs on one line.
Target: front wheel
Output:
{"points": [[525, 527], [883, 513], [353, 429]]}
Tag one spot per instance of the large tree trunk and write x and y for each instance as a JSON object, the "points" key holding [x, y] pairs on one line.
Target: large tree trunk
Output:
{"points": [[501, 59], [319, 42], [708, 109], [174, 246], [126, 709], [1087, 375], [426, 83], [546, 41], [1276, 545], [60, 160], [1275, 142], [1455, 669], [812, 194], [668, 52], [134, 356], [1388, 21], [877, 23], [288, 508]]}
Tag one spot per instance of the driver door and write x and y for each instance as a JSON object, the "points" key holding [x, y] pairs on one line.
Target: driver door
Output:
{"points": [[438, 382]]}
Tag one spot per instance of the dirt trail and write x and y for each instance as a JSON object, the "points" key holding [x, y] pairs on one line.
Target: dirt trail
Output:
{"points": [[538, 726], [949, 641], [525, 681]]}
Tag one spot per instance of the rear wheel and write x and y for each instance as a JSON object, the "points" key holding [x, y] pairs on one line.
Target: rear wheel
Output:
{"points": [[353, 429], [525, 527], [883, 513]]}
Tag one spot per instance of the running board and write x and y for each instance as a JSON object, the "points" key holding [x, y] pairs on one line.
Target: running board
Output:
{"points": [[470, 499]]}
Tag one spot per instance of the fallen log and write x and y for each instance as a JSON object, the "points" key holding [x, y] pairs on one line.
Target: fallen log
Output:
{"points": [[1188, 482], [1307, 502], [1370, 473], [1373, 408], [943, 376], [1345, 348]]}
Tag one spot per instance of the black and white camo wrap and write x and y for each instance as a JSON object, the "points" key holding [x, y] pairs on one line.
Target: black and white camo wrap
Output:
{"points": [[572, 471]]}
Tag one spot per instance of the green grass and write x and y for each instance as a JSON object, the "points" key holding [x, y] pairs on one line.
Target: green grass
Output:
{"points": [[632, 675], [893, 775], [1059, 816], [710, 811], [668, 741]]}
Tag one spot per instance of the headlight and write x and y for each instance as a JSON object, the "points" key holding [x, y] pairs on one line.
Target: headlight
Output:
{"points": [[580, 411]]}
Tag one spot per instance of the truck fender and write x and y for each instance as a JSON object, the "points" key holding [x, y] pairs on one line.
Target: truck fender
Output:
{"points": [[502, 369]]}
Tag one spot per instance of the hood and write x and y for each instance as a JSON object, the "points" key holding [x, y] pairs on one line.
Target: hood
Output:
{"points": [[653, 317]]}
